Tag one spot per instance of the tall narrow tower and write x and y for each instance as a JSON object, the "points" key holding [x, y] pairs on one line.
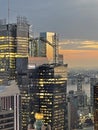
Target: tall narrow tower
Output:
{"points": [[79, 83], [49, 50]]}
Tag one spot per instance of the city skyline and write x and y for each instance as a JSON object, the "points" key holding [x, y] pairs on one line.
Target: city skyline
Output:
{"points": [[70, 19]]}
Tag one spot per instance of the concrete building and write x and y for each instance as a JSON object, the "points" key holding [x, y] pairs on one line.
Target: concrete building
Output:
{"points": [[10, 117]]}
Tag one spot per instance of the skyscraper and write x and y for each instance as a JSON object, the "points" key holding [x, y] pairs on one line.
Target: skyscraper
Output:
{"points": [[48, 47], [50, 95], [13, 44], [43, 90], [73, 117], [27, 80]]}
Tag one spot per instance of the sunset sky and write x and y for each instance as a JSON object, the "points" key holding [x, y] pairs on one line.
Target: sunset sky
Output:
{"points": [[80, 54], [76, 22]]}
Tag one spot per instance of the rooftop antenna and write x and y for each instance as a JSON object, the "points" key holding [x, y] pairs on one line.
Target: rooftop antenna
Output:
{"points": [[8, 11]]}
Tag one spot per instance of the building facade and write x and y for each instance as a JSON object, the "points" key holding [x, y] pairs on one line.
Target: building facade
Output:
{"points": [[10, 107], [50, 95], [48, 46], [43, 90], [73, 117], [13, 44], [95, 106]]}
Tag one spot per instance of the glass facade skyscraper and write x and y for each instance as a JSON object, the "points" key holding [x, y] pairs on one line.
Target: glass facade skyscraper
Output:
{"points": [[43, 90], [50, 95], [49, 46], [13, 44]]}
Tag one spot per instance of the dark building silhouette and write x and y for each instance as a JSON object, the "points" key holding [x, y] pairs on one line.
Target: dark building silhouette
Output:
{"points": [[95, 106]]}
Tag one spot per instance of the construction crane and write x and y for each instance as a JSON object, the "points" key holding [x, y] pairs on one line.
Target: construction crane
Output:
{"points": [[54, 45]]}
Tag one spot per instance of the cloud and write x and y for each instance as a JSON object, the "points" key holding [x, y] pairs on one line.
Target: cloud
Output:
{"points": [[90, 47], [78, 45]]}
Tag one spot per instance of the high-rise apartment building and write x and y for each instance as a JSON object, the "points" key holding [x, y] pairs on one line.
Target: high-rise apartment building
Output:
{"points": [[13, 44]]}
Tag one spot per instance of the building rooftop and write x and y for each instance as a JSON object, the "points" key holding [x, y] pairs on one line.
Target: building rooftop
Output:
{"points": [[37, 61], [8, 90]]}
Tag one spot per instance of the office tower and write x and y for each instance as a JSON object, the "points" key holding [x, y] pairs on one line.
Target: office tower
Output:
{"points": [[26, 79], [49, 93], [10, 107], [95, 106], [23, 84], [13, 44], [48, 46], [73, 117], [43, 90]]}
